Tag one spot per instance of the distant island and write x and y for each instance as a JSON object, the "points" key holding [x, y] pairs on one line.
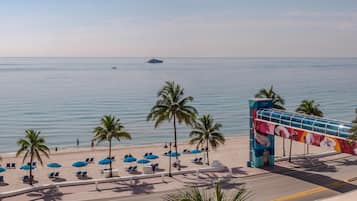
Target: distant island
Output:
{"points": [[155, 61]]}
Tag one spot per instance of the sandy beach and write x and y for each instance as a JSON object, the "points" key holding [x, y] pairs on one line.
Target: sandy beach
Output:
{"points": [[233, 154]]}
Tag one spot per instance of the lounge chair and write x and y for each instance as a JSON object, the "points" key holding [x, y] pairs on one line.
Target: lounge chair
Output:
{"points": [[165, 154], [51, 175], [113, 158], [78, 174], [84, 174], [134, 168], [146, 154], [1, 179], [26, 178], [91, 160], [128, 168], [130, 155], [87, 160], [33, 164], [150, 153], [56, 174], [126, 156], [13, 165], [195, 160], [8, 165]]}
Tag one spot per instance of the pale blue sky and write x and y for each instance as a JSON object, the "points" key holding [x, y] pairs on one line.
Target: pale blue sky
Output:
{"points": [[181, 28]]}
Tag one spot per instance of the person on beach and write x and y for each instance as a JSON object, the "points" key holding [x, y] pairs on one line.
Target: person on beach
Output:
{"points": [[77, 142]]}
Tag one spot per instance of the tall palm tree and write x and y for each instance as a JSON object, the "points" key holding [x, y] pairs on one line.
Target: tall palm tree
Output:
{"points": [[195, 194], [206, 132], [33, 145], [110, 127], [278, 102], [173, 106], [353, 130], [308, 107]]}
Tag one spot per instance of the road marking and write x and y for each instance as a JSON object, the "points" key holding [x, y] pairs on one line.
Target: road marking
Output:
{"points": [[314, 190]]}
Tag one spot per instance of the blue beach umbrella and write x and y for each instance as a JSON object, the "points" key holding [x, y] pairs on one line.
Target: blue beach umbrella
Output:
{"points": [[151, 157], [195, 151], [129, 159], [143, 161], [2, 169], [54, 165], [79, 164], [173, 154], [105, 161], [27, 167]]}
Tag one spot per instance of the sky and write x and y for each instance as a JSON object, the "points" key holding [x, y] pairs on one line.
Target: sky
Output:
{"points": [[178, 28]]}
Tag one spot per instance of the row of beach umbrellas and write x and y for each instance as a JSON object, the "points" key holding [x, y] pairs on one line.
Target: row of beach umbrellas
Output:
{"points": [[29, 167], [107, 161]]}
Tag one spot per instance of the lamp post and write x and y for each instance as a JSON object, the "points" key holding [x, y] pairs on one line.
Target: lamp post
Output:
{"points": [[170, 161]]}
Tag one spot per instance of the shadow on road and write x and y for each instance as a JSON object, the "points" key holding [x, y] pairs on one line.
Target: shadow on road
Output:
{"points": [[314, 178]]}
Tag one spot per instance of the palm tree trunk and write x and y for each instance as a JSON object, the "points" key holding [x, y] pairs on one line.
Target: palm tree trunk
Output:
{"points": [[31, 159], [110, 158], [207, 152], [175, 136], [284, 147], [291, 144]]}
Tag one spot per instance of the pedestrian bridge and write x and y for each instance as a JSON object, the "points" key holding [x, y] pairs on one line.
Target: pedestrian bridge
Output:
{"points": [[266, 123]]}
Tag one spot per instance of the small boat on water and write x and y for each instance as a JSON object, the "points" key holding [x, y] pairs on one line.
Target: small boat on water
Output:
{"points": [[114, 67], [155, 61]]}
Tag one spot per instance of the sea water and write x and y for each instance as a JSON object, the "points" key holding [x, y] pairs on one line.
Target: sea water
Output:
{"points": [[65, 98]]}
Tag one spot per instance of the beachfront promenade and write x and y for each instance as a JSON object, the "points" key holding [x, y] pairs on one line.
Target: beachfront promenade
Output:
{"points": [[234, 154]]}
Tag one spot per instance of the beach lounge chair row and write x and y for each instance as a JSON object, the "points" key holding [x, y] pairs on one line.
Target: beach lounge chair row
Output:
{"points": [[128, 155], [113, 158], [10, 165], [53, 175], [131, 168], [166, 153], [197, 160], [147, 154], [1, 179], [89, 160], [186, 151], [33, 164], [81, 174]]}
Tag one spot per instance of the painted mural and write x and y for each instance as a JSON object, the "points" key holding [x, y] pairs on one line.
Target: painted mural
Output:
{"points": [[264, 129]]}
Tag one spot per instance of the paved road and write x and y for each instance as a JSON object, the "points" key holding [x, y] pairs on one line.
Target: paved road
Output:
{"points": [[301, 184]]}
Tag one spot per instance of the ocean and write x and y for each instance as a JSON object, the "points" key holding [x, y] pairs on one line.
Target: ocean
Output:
{"points": [[65, 98]]}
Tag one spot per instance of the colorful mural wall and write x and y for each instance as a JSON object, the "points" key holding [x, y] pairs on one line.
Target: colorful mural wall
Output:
{"points": [[264, 129]]}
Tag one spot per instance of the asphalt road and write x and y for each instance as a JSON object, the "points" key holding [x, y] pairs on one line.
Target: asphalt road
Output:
{"points": [[300, 184]]}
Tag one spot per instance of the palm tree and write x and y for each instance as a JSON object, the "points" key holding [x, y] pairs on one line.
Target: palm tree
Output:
{"points": [[307, 107], [207, 132], [195, 194], [173, 106], [110, 127], [353, 130], [32, 145], [278, 102]]}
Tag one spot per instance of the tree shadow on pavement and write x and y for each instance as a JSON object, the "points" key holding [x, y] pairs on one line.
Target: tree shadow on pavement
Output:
{"points": [[314, 178], [52, 194]]}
